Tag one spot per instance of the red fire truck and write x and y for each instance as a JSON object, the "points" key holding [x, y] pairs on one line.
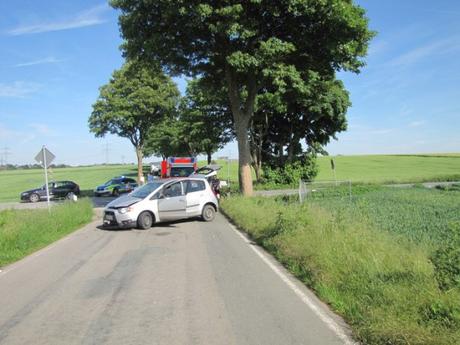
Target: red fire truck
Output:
{"points": [[178, 166]]}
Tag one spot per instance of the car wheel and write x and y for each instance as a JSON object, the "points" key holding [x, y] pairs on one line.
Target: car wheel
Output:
{"points": [[115, 192], [208, 213], [145, 220], [34, 197]]}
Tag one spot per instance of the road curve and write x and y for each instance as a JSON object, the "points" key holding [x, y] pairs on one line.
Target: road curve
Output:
{"points": [[180, 283]]}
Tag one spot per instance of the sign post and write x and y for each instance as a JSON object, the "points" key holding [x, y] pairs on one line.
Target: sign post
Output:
{"points": [[45, 157]]}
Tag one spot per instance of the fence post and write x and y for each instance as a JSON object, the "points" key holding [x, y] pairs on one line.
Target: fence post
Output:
{"points": [[349, 189]]}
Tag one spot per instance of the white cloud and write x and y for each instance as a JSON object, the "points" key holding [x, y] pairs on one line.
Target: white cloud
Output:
{"points": [[18, 89], [6, 133], [434, 48], [90, 17], [382, 131], [377, 47], [47, 60], [42, 129], [417, 123]]}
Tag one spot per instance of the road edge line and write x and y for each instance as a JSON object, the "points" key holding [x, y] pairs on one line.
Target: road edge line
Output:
{"points": [[288, 280]]}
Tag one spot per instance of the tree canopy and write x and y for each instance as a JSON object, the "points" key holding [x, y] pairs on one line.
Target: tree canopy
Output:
{"points": [[206, 118], [245, 45], [136, 99]]}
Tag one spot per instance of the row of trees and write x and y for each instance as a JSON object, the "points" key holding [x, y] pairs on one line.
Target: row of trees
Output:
{"points": [[270, 64], [143, 104]]}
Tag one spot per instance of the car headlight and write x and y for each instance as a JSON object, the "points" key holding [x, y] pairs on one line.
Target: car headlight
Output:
{"points": [[124, 210]]}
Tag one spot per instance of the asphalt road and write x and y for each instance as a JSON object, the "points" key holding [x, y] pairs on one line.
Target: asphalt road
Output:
{"points": [[180, 283]]}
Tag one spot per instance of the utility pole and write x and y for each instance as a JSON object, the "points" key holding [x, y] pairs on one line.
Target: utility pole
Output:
{"points": [[5, 153], [106, 151]]}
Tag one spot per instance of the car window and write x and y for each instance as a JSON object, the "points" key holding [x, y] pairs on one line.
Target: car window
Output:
{"points": [[181, 171], [173, 190], [145, 190], [195, 186]]}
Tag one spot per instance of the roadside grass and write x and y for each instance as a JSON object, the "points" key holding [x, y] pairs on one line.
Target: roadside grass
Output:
{"points": [[23, 232], [382, 282]]}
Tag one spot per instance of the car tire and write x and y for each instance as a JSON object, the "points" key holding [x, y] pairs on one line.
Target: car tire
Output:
{"points": [[145, 220], [209, 212], [115, 192], [34, 197]]}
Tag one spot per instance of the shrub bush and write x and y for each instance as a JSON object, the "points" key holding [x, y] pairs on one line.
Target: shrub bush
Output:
{"points": [[289, 174]]}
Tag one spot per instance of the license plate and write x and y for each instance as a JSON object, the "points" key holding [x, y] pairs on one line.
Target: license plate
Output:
{"points": [[108, 217]]}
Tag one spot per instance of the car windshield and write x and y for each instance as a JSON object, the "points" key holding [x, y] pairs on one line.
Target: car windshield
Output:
{"points": [[181, 171], [146, 189]]}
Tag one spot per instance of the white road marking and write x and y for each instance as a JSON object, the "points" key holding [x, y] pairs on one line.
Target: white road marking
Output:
{"points": [[330, 323]]}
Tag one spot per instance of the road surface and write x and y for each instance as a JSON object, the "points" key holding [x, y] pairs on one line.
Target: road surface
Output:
{"points": [[180, 283]]}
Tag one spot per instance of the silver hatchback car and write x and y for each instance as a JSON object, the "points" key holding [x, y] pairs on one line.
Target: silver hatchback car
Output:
{"points": [[163, 200]]}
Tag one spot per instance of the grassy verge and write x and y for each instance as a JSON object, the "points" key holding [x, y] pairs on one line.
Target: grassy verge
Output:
{"points": [[25, 231], [381, 282]]}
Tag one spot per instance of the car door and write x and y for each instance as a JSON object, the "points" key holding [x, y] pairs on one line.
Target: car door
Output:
{"points": [[195, 193], [51, 190], [59, 189], [172, 202]]}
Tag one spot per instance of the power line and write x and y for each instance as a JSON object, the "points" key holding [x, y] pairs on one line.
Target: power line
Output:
{"points": [[5, 153], [106, 151]]}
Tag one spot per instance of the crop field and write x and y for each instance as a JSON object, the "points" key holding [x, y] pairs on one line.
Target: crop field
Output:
{"points": [[392, 168], [367, 169], [387, 260], [420, 214]]}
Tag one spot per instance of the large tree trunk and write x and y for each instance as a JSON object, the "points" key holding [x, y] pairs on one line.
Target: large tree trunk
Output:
{"points": [[242, 114], [140, 173], [244, 156], [209, 153]]}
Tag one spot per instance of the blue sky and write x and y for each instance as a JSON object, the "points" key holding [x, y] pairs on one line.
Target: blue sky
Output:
{"points": [[56, 54]]}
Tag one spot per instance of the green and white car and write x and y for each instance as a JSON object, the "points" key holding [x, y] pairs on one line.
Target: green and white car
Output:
{"points": [[116, 186]]}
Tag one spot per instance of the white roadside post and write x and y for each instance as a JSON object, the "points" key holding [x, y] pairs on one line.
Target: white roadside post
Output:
{"points": [[45, 157], [46, 179]]}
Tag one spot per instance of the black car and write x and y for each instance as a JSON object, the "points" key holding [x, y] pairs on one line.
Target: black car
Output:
{"points": [[57, 189]]}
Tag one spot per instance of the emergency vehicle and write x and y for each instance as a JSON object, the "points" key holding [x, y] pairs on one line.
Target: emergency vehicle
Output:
{"points": [[178, 166]]}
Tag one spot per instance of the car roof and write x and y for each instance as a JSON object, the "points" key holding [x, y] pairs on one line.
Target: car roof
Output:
{"points": [[174, 179]]}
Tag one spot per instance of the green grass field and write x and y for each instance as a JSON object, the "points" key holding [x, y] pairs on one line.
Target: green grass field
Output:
{"points": [[388, 260], [13, 182], [367, 169], [23, 232], [392, 168]]}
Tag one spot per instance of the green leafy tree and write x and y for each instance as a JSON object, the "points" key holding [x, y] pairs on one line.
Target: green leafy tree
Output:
{"points": [[206, 118], [167, 140], [246, 44], [289, 120], [136, 99]]}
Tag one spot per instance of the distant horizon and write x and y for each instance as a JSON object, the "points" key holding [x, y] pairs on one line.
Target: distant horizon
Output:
{"points": [[201, 158]]}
